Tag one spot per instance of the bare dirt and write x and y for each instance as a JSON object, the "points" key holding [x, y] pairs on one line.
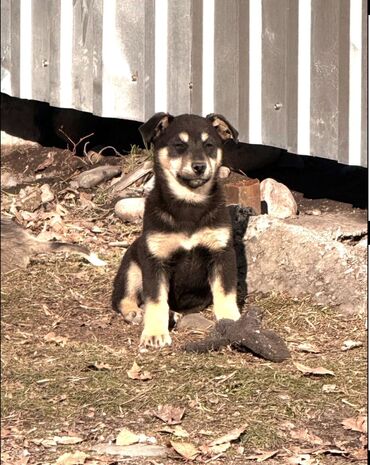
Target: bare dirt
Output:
{"points": [[65, 358]]}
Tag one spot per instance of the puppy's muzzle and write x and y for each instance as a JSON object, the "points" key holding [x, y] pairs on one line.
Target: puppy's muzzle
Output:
{"points": [[199, 168]]}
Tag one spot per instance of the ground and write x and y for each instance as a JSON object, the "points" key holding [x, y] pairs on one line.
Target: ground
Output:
{"points": [[66, 357]]}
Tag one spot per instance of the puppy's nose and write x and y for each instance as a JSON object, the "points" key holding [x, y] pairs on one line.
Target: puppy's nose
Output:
{"points": [[199, 167]]}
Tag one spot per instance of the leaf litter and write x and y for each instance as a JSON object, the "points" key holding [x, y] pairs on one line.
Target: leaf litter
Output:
{"points": [[169, 414]]}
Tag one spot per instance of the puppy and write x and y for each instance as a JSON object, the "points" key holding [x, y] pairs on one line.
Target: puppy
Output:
{"points": [[184, 258]]}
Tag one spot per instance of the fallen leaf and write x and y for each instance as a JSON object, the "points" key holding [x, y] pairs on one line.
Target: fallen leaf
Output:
{"points": [[307, 347], [219, 449], [126, 438], [185, 449], [47, 442], [135, 372], [313, 371], [169, 414], [67, 439], [59, 340], [232, 436], [75, 458], [261, 457], [177, 431], [306, 436], [356, 424], [134, 450], [348, 345]]}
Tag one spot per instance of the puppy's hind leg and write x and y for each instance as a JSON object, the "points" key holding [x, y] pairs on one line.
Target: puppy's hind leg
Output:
{"points": [[127, 287]]}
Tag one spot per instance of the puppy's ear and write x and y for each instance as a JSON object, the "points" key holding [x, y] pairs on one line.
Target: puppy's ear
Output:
{"points": [[223, 127], [154, 127]]}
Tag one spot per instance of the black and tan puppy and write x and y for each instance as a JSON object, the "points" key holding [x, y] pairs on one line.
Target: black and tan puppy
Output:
{"points": [[184, 258]]}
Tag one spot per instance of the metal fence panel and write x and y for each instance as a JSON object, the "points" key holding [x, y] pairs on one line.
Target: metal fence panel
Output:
{"points": [[289, 73]]}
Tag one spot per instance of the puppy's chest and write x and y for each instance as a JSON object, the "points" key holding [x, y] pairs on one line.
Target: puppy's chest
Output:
{"points": [[164, 244]]}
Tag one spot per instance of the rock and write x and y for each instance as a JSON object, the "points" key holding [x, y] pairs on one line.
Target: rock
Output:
{"points": [[280, 201], [8, 180], [314, 212], [363, 243], [30, 198], [307, 256], [194, 321], [97, 175], [46, 193], [8, 140], [130, 209], [224, 172]]}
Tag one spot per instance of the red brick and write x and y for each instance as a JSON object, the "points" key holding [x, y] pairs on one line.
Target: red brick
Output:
{"points": [[245, 192]]}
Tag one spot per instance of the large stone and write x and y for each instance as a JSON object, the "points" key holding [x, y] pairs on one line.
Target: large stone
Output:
{"points": [[280, 201], [97, 175], [315, 256], [12, 142], [194, 322], [130, 209]]}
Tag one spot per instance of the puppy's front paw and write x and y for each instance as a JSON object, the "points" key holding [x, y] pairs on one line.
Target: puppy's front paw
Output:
{"points": [[227, 312], [155, 341]]}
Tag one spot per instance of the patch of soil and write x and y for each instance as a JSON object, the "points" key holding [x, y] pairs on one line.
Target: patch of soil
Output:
{"points": [[42, 164]]}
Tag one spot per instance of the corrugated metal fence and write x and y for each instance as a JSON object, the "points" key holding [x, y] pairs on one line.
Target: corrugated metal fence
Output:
{"points": [[289, 73]]}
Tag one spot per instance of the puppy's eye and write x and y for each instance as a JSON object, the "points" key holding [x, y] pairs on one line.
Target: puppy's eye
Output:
{"points": [[180, 147], [209, 145]]}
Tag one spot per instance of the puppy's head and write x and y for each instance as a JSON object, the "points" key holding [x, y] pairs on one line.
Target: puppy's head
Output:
{"points": [[188, 150]]}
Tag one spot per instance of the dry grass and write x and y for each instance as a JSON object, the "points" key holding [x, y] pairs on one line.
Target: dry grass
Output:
{"points": [[50, 387]]}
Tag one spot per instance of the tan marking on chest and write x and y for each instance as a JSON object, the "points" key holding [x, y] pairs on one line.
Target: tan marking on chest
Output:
{"points": [[163, 245]]}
